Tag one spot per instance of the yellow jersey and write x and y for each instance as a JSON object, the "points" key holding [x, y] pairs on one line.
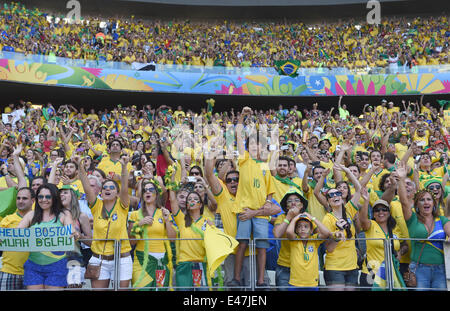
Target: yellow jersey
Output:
{"points": [[12, 262], [190, 250], [117, 220], [284, 257], [343, 258], [304, 262], [255, 184], [155, 231], [375, 247]]}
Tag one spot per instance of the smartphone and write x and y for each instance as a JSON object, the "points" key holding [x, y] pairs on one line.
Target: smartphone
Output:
{"points": [[284, 147], [272, 147], [315, 163]]}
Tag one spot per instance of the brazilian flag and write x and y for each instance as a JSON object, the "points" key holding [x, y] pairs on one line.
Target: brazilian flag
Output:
{"points": [[287, 67], [380, 281]]}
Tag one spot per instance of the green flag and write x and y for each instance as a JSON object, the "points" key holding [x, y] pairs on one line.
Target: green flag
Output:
{"points": [[8, 199], [287, 67], [443, 103]]}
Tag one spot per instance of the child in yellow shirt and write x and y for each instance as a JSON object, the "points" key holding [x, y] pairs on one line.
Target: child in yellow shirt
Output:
{"points": [[305, 252]]}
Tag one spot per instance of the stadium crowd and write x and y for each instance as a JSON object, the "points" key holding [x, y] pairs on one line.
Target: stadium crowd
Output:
{"points": [[327, 177], [346, 44]]}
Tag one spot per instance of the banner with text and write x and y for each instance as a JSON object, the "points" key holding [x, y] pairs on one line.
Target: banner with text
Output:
{"points": [[39, 239]]}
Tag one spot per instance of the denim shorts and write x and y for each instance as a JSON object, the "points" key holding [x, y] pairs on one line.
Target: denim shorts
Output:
{"points": [[258, 226], [333, 277], [54, 274], [282, 276], [429, 276]]}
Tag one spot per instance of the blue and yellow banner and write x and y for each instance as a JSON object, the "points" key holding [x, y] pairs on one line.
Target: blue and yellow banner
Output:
{"points": [[175, 80]]}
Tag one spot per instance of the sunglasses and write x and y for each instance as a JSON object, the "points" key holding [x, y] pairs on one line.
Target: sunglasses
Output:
{"points": [[195, 173], [380, 209], [109, 187], [152, 190], [334, 194], [434, 187], [42, 197], [231, 179]]}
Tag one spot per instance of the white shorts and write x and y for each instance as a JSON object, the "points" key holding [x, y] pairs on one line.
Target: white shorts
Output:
{"points": [[107, 269]]}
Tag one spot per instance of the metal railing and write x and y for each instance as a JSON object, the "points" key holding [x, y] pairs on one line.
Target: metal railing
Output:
{"points": [[389, 280]]}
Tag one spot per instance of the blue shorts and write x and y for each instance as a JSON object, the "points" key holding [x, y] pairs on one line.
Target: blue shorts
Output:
{"points": [[54, 274], [293, 288], [259, 227]]}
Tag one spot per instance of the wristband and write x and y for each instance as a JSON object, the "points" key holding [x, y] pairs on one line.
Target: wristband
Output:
{"points": [[286, 221]]}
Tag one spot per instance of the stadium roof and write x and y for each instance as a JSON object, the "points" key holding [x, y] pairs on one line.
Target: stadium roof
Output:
{"points": [[258, 2]]}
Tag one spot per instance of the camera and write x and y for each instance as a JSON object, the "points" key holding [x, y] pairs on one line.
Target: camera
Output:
{"points": [[191, 179], [137, 173], [343, 227]]}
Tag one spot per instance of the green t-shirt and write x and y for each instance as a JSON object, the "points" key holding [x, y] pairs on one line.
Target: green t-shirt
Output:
{"points": [[430, 254], [343, 113]]}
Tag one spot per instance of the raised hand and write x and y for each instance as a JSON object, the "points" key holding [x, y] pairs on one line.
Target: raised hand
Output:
{"points": [[401, 170], [365, 194], [57, 161], [17, 150], [124, 160]]}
